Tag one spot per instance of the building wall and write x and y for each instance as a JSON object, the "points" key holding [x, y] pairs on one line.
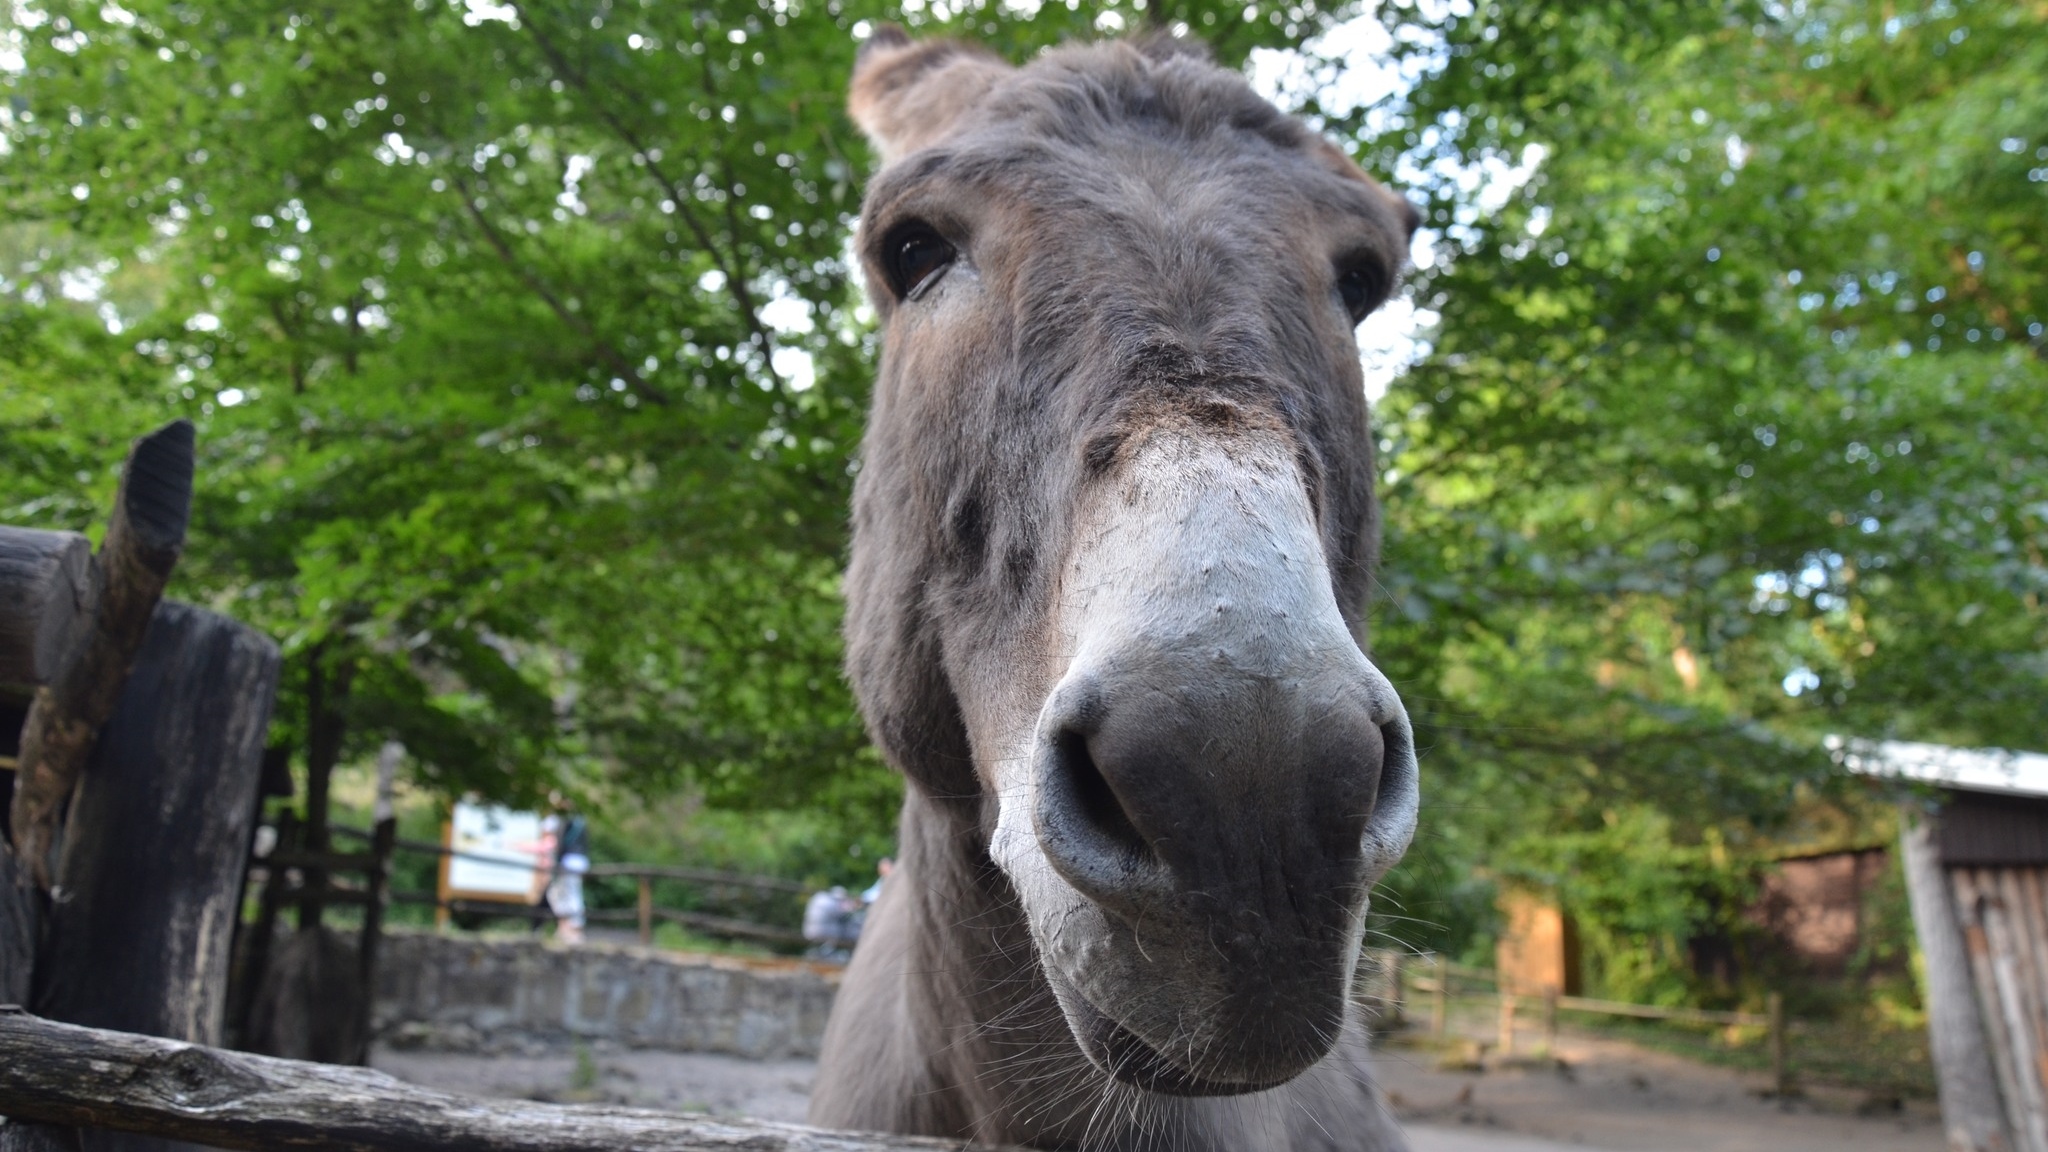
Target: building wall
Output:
{"points": [[1538, 950], [1814, 905]]}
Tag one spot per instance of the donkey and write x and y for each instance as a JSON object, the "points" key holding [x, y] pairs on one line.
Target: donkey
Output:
{"points": [[1113, 531]]}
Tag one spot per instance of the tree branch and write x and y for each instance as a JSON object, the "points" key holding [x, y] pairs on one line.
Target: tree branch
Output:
{"points": [[730, 267], [612, 357]]}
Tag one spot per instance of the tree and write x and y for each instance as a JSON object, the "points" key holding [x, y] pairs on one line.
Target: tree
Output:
{"points": [[1732, 429], [524, 352]]}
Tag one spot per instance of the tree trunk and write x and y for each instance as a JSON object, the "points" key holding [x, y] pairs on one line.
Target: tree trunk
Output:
{"points": [[157, 838]]}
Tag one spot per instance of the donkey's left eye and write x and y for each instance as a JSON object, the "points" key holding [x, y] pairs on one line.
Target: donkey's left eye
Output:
{"points": [[912, 258], [1362, 287]]}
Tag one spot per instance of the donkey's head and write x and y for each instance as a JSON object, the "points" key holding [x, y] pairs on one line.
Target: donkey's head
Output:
{"points": [[1114, 529]]}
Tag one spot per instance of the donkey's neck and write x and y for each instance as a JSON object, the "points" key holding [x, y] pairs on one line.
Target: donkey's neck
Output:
{"points": [[946, 1026], [977, 1001], [945, 1023]]}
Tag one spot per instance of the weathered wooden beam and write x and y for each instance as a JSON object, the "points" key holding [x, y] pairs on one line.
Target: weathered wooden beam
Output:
{"points": [[138, 933], [20, 917], [145, 536], [87, 1077], [20, 903], [157, 836], [1964, 1078], [47, 596]]}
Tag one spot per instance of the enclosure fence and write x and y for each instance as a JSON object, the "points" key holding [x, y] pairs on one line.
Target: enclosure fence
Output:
{"points": [[1441, 980]]}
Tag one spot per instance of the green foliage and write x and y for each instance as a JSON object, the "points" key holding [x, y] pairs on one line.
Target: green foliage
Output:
{"points": [[1732, 430], [525, 355]]}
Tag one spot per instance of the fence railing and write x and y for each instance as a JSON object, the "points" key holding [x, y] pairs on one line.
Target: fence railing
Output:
{"points": [[644, 915], [1438, 978]]}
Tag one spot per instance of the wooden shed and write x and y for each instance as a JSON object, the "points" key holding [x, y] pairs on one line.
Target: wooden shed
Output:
{"points": [[1977, 874]]}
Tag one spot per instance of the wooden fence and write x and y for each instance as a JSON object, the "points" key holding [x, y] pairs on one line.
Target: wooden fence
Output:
{"points": [[1439, 978], [63, 1075], [644, 915]]}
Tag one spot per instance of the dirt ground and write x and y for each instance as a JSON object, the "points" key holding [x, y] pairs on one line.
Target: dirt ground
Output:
{"points": [[1607, 1095]]}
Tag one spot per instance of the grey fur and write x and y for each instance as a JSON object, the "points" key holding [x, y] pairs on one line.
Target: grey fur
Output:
{"points": [[1146, 249]]}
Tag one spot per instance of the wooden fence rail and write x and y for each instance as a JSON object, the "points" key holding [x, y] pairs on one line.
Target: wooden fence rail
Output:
{"points": [[1441, 987], [93, 1078], [645, 915], [707, 876]]}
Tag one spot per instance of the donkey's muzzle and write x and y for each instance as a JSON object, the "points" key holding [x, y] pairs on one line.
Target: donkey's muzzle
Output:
{"points": [[1228, 823]]}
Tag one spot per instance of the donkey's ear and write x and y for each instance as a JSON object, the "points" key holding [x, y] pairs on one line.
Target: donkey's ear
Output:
{"points": [[1159, 44], [907, 93]]}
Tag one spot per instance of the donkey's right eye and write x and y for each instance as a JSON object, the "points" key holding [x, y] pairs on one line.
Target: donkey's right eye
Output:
{"points": [[913, 257]]}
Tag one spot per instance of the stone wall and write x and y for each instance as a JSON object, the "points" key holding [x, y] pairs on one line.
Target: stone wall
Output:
{"points": [[514, 993]]}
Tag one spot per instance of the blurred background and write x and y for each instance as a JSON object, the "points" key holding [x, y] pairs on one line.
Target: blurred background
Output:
{"points": [[529, 367]]}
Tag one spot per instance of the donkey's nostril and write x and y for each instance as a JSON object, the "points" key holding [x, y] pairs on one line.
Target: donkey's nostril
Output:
{"points": [[1083, 826], [1397, 761], [1092, 799]]}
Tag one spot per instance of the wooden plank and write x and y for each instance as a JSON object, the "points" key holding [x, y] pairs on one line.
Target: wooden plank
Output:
{"points": [[2018, 995], [702, 922], [2031, 893], [1965, 1079], [707, 876], [62, 1074], [145, 535], [21, 904], [1650, 1012], [1977, 908], [20, 920], [330, 861], [700, 876], [47, 597], [2026, 932]]}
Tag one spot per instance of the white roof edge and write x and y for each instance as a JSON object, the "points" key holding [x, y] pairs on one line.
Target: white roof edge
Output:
{"points": [[1995, 770]]}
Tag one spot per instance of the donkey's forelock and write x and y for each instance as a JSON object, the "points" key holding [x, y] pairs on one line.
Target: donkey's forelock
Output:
{"points": [[907, 94]]}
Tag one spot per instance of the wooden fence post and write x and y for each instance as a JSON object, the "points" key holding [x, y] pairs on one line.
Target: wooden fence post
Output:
{"points": [[1507, 1023], [20, 924], [1397, 1008], [646, 909], [383, 837], [1440, 1000], [1550, 1021], [145, 535], [157, 836], [260, 936], [1781, 1083], [47, 583]]}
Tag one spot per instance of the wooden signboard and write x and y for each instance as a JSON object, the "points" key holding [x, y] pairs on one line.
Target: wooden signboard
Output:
{"points": [[494, 854]]}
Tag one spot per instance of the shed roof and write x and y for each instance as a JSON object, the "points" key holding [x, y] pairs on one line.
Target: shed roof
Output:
{"points": [[1997, 771]]}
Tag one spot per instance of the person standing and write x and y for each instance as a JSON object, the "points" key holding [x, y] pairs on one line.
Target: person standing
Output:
{"points": [[565, 891]]}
